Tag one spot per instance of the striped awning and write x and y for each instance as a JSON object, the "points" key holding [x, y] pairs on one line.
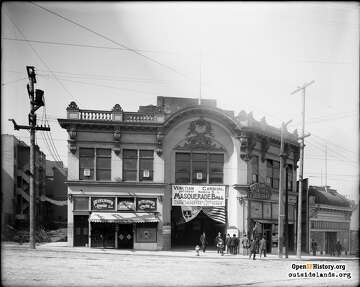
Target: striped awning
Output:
{"points": [[123, 217]]}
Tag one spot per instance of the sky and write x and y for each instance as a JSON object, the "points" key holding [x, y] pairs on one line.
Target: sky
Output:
{"points": [[248, 56]]}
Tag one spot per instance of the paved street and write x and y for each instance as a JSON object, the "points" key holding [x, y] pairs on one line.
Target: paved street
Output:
{"points": [[78, 267]]}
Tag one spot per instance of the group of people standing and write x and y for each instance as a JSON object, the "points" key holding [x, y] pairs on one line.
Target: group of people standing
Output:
{"points": [[231, 244]]}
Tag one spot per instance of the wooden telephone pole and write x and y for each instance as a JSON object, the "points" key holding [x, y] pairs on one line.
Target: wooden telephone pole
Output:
{"points": [[36, 101], [301, 174]]}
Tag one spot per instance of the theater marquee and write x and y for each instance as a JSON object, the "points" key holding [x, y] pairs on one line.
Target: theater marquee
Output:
{"points": [[198, 195]]}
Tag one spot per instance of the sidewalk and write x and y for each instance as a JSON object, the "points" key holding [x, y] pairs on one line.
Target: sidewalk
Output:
{"points": [[211, 254]]}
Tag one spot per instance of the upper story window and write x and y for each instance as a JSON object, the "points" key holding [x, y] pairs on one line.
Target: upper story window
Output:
{"points": [[95, 163], [255, 169], [197, 168], [272, 173], [289, 177], [138, 165]]}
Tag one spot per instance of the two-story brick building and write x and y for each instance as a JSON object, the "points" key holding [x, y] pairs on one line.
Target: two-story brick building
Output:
{"points": [[157, 178]]}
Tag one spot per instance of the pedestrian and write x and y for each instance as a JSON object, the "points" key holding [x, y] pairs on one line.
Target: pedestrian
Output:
{"points": [[245, 244], [227, 243], [338, 248], [217, 240], [237, 243], [197, 249], [263, 246], [232, 244], [220, 246], [313, 247], [253, 248], [203, 242]]}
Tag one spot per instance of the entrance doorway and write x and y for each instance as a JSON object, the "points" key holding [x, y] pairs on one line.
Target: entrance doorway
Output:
{"points": [[81, 230], [125, 236], [103, 235], [188, 234], [330, 241], [267, 229]]}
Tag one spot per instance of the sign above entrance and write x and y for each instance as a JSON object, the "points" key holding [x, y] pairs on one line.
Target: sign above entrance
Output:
{"points": [[198, 195], [102, 203], [259, 191]]}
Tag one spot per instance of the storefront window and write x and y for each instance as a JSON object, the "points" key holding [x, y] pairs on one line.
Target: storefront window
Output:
{"points": [[197, 168], [81, 203], [146, 233]]}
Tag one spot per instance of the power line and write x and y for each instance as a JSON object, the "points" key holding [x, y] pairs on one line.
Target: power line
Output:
{"points": [[107, 38], [84, 45], [14, 81], [37, 54], [329, 142]]}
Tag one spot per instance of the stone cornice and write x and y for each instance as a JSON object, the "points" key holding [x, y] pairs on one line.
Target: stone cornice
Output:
{"points": [[115, 183]]}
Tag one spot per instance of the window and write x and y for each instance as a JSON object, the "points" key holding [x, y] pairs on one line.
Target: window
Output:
{"points": [[103, 164], [138, 165], [289, 177], [146, 161], [81, 203], [272, 173], [86, 158], [255, 169], [90, 158], [198, 168]]}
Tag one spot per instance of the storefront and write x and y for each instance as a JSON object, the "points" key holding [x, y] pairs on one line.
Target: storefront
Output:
{"points": [[115, 222]]}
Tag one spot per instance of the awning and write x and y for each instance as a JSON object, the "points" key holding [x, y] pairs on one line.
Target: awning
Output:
{"points": [[123, 217]]}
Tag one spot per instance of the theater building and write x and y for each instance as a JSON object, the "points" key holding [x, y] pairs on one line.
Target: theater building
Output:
{"points": [[157, 178]]}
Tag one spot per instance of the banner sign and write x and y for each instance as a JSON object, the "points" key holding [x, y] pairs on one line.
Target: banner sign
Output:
{"points": [[102, 203], [198, 195], [146, 204]]}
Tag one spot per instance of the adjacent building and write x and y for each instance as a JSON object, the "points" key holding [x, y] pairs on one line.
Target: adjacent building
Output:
{"points": [[15, 183], [157, 178], [329, 216]]}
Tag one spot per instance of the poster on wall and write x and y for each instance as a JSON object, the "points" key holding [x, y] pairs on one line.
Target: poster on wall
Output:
{"points": [[146, 204], [198, 195], [103, 203]]}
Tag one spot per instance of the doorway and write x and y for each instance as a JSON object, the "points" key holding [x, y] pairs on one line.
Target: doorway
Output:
{"points": [[267, 228], [330, 241], [103, 235], [125, 236], [81, 230], [188, 234]]}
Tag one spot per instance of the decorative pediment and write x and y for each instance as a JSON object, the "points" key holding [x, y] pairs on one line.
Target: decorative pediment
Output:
{"points": [[200, 137]]}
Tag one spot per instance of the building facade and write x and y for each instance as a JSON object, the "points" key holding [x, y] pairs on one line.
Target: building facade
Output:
{"points": [[157, 178], [329, 220], [15, 183]]}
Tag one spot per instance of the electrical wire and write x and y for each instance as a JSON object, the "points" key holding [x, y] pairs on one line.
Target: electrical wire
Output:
{"points": [[107, 38]]}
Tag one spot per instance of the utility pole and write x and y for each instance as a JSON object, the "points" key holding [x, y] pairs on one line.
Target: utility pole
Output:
{"points": [[302, 145], [325, 166], [36, 101], [281, 214]]}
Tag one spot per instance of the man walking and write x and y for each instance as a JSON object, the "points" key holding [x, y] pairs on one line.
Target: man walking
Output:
{"points": [[338, 248], [203, 242], [227, 243], [263, 246], [232, 244], [253, 248], [245, 244]]}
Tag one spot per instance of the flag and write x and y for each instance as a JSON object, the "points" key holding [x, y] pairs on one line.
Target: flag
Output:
{"points": [[215, 213]]}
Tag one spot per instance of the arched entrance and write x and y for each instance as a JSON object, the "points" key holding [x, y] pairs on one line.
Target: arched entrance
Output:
{"points": [[186, 234]]}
